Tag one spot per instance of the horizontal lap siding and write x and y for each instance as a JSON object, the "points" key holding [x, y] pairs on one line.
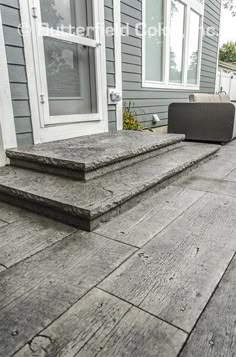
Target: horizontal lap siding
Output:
{"points": [[210, 46], [110, 54], [17, 71], [156, 101]]}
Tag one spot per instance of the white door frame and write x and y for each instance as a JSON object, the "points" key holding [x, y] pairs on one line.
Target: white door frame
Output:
{"points": [[118, 60], [43, 130]]}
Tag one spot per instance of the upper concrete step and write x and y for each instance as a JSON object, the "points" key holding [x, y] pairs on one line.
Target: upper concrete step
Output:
{"points": [[87, 204], [91, 156]]}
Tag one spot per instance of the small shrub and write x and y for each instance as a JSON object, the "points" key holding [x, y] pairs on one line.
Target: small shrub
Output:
{"points": [[228, 52], [129, 118]]}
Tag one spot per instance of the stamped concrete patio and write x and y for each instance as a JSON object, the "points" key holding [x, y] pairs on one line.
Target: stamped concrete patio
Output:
{"points": [[158, 280]]}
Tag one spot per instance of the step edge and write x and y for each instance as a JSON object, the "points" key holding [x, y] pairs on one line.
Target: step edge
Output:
{"points": [[73, 165], [91, 175], [44, 201]]}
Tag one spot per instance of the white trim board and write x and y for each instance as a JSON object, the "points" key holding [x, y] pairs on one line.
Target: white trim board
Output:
{"points": [[7, 123], [118, 61]]}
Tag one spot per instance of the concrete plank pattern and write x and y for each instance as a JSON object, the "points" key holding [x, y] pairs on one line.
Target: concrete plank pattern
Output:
{"points": [[140, 334], [28, 236], [217, 175], [220, 187], [100, 321], [2, 223], [2, 268], [67, 294], [85, 326], [231, 176], [215, 333], [173, 276], [220, 166], [36, 291], [139, 225], [11, 214]]}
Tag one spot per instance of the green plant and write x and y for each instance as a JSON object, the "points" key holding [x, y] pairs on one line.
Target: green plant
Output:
{"points": [[129, 118], [228, 52]]}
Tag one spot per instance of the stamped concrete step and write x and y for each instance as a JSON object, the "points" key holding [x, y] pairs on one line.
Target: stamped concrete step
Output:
{"points": [[87, 204], [92, 156]]}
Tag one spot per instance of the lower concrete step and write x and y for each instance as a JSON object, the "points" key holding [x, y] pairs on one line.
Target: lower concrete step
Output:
{"points": [[88, 157], [87, 204]]}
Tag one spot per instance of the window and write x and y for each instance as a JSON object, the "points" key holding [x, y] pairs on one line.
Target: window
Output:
{"points": [[172, 43], [176, 41], [154, 42], [193, 53]]}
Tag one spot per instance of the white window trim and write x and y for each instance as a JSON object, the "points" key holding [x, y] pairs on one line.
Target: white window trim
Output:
{"points": [[77, 125], [7, 123], [196, 6]]}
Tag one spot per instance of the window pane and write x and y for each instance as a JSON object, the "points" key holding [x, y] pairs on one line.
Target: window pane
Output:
{"points": [[154, 40], [176, 41], [70, 70], [193, 57], [75, 13]]}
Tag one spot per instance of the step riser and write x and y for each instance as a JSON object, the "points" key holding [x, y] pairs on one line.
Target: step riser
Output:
{"points": [[90, 175], [44, 210], [69, 216]]}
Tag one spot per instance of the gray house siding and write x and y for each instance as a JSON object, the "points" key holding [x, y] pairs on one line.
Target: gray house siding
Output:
{"points": [[156, 101], [17, 71], [111, 81], [146, 101], [210, 46]]}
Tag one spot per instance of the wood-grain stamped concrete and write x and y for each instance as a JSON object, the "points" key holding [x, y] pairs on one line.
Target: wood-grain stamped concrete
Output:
{"points": [[158, 280], [215, 333], [174, 274]]}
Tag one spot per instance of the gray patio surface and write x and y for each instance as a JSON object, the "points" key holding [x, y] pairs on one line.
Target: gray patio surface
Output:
{"points": [[159, 280]]}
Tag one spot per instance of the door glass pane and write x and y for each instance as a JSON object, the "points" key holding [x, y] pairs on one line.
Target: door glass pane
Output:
{"points": [[74, 16], [70, 70], [154, 40], [176, 41], [193, 56]]}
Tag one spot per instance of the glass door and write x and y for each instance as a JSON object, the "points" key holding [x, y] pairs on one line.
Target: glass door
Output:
{"points": [[68, 48]]}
